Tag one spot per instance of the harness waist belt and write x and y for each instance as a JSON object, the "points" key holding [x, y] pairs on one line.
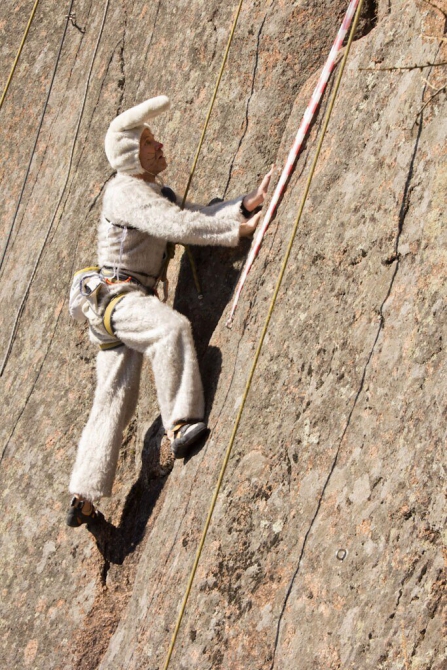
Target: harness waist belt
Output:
{"points": [[108, 272]]}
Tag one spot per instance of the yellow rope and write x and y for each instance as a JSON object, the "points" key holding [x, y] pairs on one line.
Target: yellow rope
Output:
{"points": [[202, 137], [33, 151], [25, 35], [263, 334], [64, 188], [208, 116], [195, 274]]}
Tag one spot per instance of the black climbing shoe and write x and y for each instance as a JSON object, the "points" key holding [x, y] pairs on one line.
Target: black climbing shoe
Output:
{"points": [[184, 435], [76, 517]]}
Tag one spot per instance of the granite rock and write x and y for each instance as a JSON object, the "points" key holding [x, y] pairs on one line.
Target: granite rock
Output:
{"points": [[325, 550]]}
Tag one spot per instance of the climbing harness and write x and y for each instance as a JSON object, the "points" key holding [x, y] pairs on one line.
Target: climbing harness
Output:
{"points": [[108, 273], [107, 320], [107, 277], [85, 288], [199, 147], [85, 283], [53, 218], [293, 154], [262, 337], [16, 60]]}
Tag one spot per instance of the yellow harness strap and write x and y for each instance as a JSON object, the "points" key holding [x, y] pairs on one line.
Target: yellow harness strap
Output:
{"points": [[92, 268], [107, 320], [111, 345]]}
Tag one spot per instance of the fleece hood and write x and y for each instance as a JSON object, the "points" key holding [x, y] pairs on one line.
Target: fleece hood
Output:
{"points": [[122, 142]]}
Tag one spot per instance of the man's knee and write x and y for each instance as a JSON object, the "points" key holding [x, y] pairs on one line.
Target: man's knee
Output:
{"points": [[180, 326]]}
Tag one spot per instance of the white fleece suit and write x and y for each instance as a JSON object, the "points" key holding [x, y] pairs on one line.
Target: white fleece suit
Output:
{"points": [[136, 223]]}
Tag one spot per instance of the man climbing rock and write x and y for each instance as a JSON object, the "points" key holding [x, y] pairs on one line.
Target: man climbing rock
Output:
{"points": [[127, 320]]}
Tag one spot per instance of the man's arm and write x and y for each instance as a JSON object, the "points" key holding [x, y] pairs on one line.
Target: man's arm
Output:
{"points": [[250, 206], [134, 203]]}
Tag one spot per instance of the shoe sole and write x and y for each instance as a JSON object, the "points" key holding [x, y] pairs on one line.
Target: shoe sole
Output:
{"points": [[182, 445], [79, 519]]}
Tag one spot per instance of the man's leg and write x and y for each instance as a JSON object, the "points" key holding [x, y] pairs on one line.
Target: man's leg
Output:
{"points": [[118, 378], [147, 325]]}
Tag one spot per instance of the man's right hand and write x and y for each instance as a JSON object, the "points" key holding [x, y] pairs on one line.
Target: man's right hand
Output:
{"points": [[247, 228]]}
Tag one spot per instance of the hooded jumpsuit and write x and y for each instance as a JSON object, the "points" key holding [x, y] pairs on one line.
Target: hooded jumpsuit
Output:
{"points": [[135, 226]]}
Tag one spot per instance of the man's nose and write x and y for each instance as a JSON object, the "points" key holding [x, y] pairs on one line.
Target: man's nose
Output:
{"points": [[159, 146]]}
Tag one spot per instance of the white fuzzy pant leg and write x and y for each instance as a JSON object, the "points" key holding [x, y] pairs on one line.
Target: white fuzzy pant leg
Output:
{"points": [[118, 378], [147, 325]]}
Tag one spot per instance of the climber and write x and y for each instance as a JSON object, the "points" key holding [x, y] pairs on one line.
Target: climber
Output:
{"points": [[127, 320]]}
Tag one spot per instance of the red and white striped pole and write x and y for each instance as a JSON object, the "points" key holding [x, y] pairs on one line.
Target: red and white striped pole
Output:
{"points": [[301, 134]]}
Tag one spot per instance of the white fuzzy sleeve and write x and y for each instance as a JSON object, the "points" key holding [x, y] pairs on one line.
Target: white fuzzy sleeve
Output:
{"points": [[132, 202]]}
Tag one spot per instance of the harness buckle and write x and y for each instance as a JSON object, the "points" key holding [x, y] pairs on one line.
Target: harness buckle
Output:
{"points": [[111, 282]]}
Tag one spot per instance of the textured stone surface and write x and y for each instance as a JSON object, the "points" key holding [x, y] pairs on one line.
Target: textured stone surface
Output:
{"points": [[326, 548]]}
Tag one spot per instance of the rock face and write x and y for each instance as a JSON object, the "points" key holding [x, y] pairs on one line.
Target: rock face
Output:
{"points": [[325, 549]]}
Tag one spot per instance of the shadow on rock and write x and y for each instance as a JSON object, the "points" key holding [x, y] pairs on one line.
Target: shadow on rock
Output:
{"points": [[218, 270], [117, 542], [197, 447]]}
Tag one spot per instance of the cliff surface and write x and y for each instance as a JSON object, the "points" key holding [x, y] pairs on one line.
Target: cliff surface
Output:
{"points": [[325, 550]]}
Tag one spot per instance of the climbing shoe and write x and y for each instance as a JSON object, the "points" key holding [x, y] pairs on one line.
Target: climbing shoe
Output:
{"points": [[184, 435], [76, 517]]}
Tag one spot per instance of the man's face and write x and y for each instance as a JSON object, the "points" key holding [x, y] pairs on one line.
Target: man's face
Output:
{"points": [[151, 153]]}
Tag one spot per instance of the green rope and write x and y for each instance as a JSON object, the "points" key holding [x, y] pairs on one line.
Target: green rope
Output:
{"points": [[263, 334]]}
